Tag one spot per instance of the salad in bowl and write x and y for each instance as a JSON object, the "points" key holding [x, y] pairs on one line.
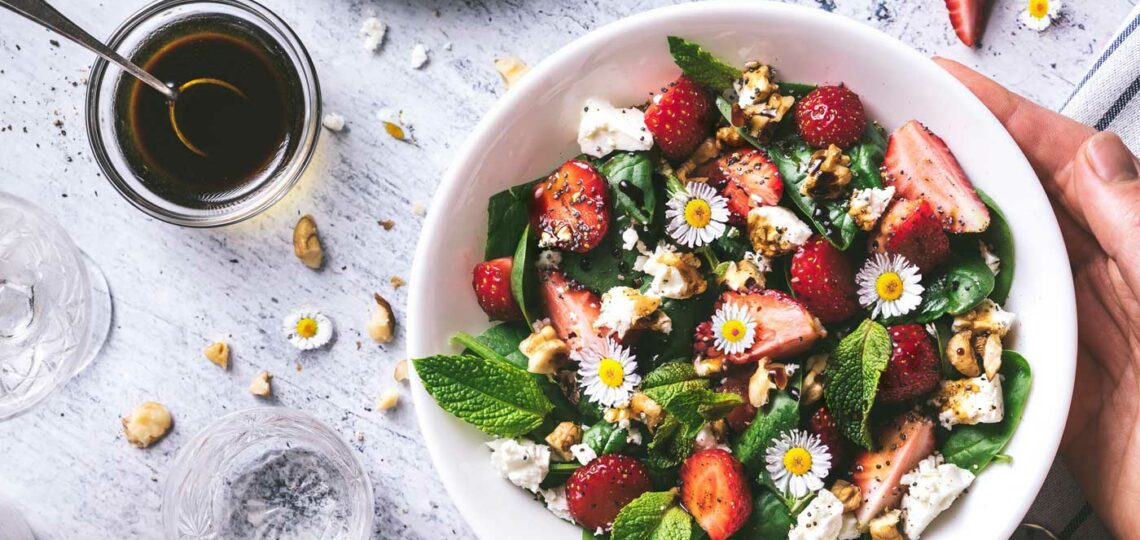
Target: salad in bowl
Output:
{"points": [[745, 310]]}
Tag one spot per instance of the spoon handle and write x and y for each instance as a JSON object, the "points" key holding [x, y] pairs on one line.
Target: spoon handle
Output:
{"points": [[42, 12]]}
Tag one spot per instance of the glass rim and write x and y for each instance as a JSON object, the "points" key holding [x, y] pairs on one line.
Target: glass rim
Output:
{"points": [[277, 184]]}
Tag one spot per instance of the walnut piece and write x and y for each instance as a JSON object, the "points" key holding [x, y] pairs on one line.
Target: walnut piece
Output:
{"points": [[388, 400], [146, 424], [827, 174], [706, 367], [260, 385], [381, 325], [960, 354], [401, 371], [813, 379], [306, 242], [614, 415], [545, 352], [991, 348], [742, 274], [886, 527], [847, 494], [706, 152], [759, 384], [760, 102], [564, 436], [218, 352], [728, 136], [646, 410]]}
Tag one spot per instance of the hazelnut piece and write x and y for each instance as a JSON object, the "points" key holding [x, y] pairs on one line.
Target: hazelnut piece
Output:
{"points": [[306, 243], [146, 424], [218, 353]]}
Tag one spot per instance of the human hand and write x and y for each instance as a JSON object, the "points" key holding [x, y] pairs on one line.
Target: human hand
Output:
{"points": [[1092, 181]]}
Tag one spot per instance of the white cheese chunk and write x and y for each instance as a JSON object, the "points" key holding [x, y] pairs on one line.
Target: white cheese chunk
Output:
{"points": [[605, 128], [521, 461], [931, 488], [821, 520], [373, 30], [970, 401]]}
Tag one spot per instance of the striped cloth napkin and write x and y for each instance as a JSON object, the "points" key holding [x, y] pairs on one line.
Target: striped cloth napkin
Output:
{"points": [[1107, 99]]}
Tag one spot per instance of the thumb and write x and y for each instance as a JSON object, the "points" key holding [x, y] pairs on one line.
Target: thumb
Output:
{"points": [[1107, 184]]}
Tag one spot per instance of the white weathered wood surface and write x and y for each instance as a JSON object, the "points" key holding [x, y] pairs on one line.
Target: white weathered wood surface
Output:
{"points": [[175, 289]]}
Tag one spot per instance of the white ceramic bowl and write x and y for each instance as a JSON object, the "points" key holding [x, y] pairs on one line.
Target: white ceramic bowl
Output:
{"points": [[532, 130]]}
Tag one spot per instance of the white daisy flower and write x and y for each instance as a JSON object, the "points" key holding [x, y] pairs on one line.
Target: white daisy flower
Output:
{"points": [[607, 373], [798, 462], [734, 331], [697, 215], [308, 329], [1039, 14], [889, 283]]}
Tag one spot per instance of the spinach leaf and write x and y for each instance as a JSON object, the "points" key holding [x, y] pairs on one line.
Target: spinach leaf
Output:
{"points": [[795, 89], [732, 245], [770, 519], [523, 284], [975, 447], [828, 218], [962, 284], [1000, 239], [725, 108], [853, 379], [558, 474], [507, 216], [701, 66], [605, 438], [867, 157], [630, 176], [608, 265], [686, 314], [781, 414]]}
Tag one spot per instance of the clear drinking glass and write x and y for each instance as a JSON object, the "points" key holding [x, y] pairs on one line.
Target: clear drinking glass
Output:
{"points": [[55, 308]]}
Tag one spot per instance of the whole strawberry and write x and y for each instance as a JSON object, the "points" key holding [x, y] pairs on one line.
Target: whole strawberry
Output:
{"points": [[492, 284], [678, 117], [823, 424], [597, 491], [831, 115], [913, 369], [824, 281]]}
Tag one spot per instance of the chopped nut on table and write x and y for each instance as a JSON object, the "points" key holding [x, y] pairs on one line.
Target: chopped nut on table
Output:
{"points": [[401, 371], [218, 353], [386, 223], [827, 174], [511, 69], [564, 436], [544, 351], [260, 385], [397, 282], [388, 400], [886, 527], [380, 327], [306, 242], [146, 424]]}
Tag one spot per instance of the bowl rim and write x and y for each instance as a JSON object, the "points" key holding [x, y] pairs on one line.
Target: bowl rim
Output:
{"points": [[436, 222]]}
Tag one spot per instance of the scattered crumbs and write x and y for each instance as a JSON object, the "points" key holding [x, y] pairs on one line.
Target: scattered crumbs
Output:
{"points": [[419, 209], [419, 56], [54, 42], [359, 345], [447, 46], [260, 385], [298, 367], [435, 12], [397, 282], [373, 30], [233, 261], [333, 122], [395, 123], [510, 69], [400, 373], [387, 224], [360, 436], [388, 400]]}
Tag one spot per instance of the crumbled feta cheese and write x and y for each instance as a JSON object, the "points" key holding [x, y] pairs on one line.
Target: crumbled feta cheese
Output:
{"points": [[548, 260], [629, 238], [521, 461], [605, 128], [583, 453], [987, 317], [931, 488], [373, 31], [746, 272], [333, 122], [988, 255], [776, 231], [419, 56], [625, 308], [821, 520], [850, 529], [867, 205], [754, 86], [675, 275], [706, 438], [969, 401], [556, 503]]}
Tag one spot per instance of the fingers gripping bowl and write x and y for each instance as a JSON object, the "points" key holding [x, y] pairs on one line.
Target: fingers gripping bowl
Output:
{"points": [[534, 129]]}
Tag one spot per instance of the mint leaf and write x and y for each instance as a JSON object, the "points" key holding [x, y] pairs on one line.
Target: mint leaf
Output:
{"points": [[701, 66], [490, 394], [669, 373], [781, 414], [975, 447], [856, 365], [652, 516], [671, 444]]}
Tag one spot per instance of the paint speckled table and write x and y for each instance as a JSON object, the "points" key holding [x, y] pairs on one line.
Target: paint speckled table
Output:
{"points": [[174, 289]]}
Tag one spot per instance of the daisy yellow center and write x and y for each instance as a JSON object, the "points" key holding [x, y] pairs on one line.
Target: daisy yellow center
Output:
{"points": [[698, 214], [889, 286], [307, 327], [797, 461], [733, 331], [611, 372], [1038, 8]]}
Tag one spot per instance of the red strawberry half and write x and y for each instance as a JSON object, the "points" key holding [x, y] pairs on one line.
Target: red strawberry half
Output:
{"points": [[902, 443], [913, 369], [492, 284], [784, 327], [920, 166], [966, 18], [572, 308], [715, 492], [824, 281], [742, 416], [831, 115], [597, 491], [823, 424], [570, 208], [748, 179], [678, 117], [911, 229]]}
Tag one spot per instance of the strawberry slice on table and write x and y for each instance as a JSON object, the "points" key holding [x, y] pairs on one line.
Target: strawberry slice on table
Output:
{"points": [[748, 179], [678, 117], [920, 166], [597, 491], [824, 280], [902, 443], [572, 307], [831, 115], [715, 491], [784, 327], [823, 424], [913, 368], [912, 229], [492, 284], [966, 18], [570, 209]]}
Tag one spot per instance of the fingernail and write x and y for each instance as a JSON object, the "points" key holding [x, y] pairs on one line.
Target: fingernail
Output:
{"points": [[1110, 159]]}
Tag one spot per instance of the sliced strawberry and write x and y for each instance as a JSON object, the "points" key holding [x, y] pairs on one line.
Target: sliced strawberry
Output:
{"points": [[597, 491], [784, 327], [966, 18], [570, 209], [822, 423], [911, 229], [913, 369], [715, 492], [920, 166], [824, 281], [678, 117], [831, 115], [748, 179], [572, 308], [492, 283], [742, 415], [901, 444]]}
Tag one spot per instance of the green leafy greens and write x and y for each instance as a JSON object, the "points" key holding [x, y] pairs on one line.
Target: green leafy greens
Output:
{"points": [[652, 516], [857, 363], [701, 66], [975, 447], [490, 394]]}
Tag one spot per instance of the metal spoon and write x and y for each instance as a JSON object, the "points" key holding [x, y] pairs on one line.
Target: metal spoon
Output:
{"points": [[43, 13]]}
